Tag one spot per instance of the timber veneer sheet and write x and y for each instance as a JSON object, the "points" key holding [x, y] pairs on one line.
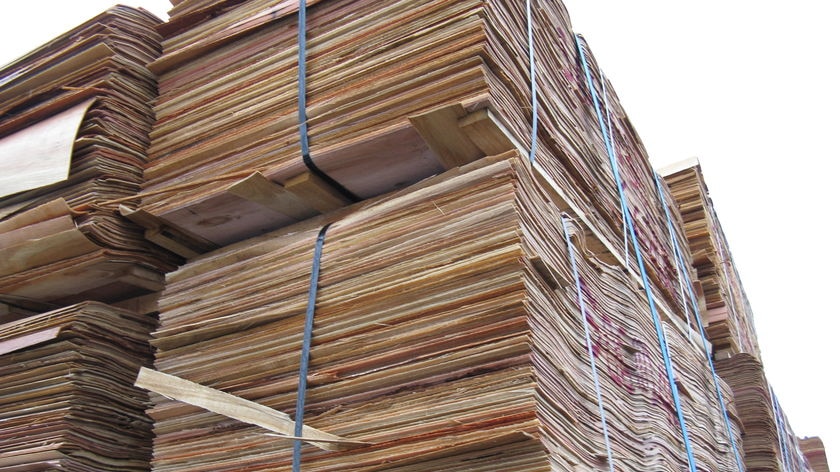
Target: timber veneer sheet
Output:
{"points": [[67, 400], [100, 69], [447, 333], [228, 105]]}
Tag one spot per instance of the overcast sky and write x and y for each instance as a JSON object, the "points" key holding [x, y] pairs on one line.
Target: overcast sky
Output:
{"points": [[752, 89]]}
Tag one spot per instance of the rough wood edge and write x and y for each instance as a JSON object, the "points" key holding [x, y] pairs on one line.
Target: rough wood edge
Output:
{"points": [[237, 408]]}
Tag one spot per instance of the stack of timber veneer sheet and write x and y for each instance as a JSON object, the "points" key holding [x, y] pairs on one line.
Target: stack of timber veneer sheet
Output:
{"points": [[387, 85], [769, 444], [727, 309], [447, 333], [814, 451], [76, 114], [67, 400]]}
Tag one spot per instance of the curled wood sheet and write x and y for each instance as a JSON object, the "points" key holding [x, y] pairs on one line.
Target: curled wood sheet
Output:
{"points": [[40, 154]]}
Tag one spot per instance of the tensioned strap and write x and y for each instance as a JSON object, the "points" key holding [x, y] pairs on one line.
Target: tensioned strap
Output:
{"points": [[307, 342], [583, 320], [532, 153], [303, 124], [780, 430], [660, 333], [683, 274], [610, 134]]}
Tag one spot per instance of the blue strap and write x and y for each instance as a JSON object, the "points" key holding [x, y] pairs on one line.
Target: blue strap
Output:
{"points": [[589, 349], [684, 271], [610, 134], [660, 333], [532, 153], [303, 124], [307, 343], [780, 429], [676, 252]]}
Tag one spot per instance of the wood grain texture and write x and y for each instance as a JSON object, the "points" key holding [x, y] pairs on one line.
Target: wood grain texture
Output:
{"points": [[90, 92], [236, 408], [66, 394], [445, 326]]}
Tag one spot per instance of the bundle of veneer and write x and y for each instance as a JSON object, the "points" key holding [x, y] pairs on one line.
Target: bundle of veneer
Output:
{"points": [[79, 108], [67, 400], [447, 335], [389, 90]]}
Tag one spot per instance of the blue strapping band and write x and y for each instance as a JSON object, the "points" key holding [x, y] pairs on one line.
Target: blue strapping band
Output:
{"points": [[683, 267], [780, 430], [610, 134], [660, 333], [532, 153], [303, 125], [307, 343], [589, 349]]}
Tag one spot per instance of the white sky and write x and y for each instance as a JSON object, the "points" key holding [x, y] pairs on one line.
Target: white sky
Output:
{"points": [[750, 87]]}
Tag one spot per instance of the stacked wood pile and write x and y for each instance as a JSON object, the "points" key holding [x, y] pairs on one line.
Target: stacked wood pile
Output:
{"points": [[769, 442], [76, 114], [79, 109], [442, 349], [727, 309], [66, 395], [454, 326], [814, 451], [387, 89]]}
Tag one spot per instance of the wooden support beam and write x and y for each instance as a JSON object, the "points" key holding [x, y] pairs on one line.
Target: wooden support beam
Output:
{"points": [[142, 305], [142, 277], [440, 129], [257, 188], [316, 193], [552, 277], [238, 408], [157, 231], [485, 130]]}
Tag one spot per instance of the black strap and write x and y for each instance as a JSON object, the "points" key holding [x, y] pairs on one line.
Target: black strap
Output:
{"points": [[303, 125], [307, 343]]}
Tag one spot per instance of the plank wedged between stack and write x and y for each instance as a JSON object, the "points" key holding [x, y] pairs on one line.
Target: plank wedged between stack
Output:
{"points": [[67, 400], [99, 66], [447, 334], [389, 87]]}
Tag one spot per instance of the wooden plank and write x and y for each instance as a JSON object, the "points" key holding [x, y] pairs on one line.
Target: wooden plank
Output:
{"points": [[487, 132], [238, 408], [440, 129], [259, 189], [165, 235], [317, 194]]}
